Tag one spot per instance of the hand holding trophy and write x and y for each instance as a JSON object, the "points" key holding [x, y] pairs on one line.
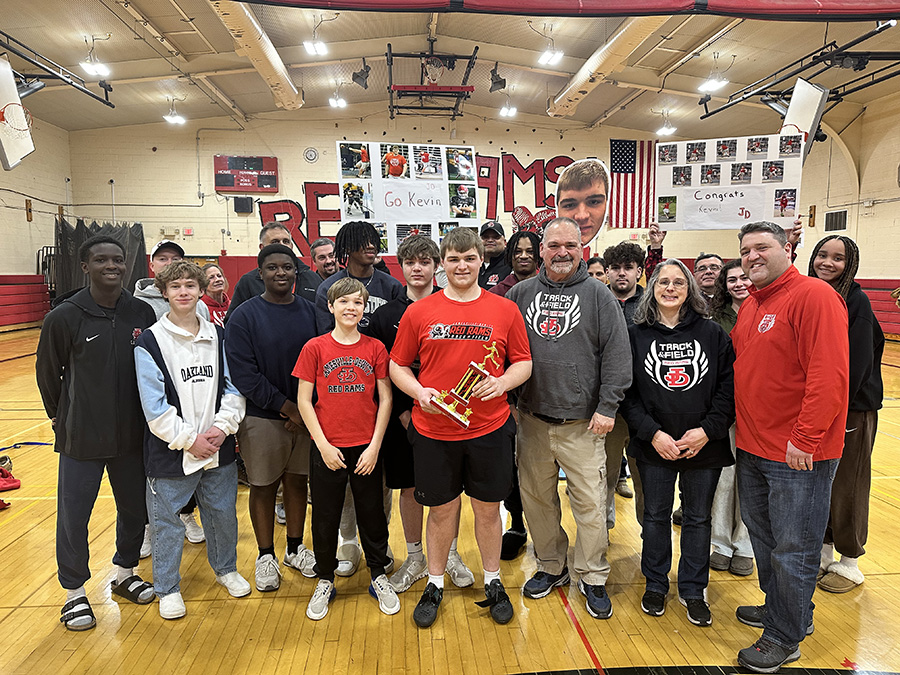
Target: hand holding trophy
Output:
{"points": [[450, 402]]}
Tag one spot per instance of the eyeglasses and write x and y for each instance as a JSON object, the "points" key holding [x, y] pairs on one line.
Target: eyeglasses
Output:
{"points": [[708, 268], [677, 283]]}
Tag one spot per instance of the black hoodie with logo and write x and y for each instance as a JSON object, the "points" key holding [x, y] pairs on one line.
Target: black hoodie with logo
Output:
{"points": [[683, 378]]}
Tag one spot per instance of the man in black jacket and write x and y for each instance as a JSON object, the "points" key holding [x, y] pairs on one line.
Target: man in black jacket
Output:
{"points": [[495, 268], [86, 376]]}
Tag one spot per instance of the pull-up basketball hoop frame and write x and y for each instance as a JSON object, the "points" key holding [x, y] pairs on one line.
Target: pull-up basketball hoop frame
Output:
{"points": [[428, 89]]}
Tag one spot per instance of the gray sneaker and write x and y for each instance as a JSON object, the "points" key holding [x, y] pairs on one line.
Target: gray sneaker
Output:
{"points": [[752, 615], [764, 656], [318, 603], [303, 560], [268, 574], [409, 573], [381, 590], [460, 574]]}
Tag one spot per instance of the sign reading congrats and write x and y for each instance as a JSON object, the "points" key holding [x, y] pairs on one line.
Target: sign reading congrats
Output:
{"points": [[720, 184]]}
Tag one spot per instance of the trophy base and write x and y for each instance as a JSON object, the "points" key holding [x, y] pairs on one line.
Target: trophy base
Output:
{"points": [[461, 419]]}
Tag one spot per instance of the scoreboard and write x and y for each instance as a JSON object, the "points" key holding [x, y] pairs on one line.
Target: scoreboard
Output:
{"points": [[245, 174]]}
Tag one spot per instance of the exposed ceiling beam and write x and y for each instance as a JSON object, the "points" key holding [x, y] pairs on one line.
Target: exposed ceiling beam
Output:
{"points": [[219, 94], [152, 29]]}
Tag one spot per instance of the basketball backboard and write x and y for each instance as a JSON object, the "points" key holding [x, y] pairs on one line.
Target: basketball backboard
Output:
{"points": [[15, 133]]}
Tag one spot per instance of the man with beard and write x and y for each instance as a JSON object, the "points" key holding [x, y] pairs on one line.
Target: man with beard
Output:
{"points": [[495, 267], [577, 334], [707, 267], [322, 252]]}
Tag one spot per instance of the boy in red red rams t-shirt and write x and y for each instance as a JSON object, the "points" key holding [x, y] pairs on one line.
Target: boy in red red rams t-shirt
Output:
{"points": [[346, 369]]}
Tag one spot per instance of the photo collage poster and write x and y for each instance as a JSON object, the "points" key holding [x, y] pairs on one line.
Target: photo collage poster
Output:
{"points": [[408, 188], [722, 183]]}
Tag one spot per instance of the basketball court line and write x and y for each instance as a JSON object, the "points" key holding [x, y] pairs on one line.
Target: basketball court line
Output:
{"points": [[580, 631]]}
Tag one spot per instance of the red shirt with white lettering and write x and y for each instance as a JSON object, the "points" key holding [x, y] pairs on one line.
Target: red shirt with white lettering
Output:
{"points": [[344, 376], [446, 335], [395, 164]]}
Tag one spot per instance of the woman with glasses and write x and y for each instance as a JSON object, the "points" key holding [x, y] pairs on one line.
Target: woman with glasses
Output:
{"points": [[679, 409]]}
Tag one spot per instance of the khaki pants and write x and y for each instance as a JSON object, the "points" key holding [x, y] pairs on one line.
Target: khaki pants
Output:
{"points": [[616, 445], [541, 450]]}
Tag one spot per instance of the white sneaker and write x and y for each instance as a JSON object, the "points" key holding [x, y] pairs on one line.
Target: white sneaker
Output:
{"points": [[280, 518], [318, 603], [348, 555], [268, 574], [381, 590], [303, 560], [147, 546], [171, 606], [193, 531], [237, 585], [460, 575], [409, 573]]}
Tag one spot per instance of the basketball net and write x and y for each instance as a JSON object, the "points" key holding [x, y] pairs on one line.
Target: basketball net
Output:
{"points": [[15, 120], [433, 68]]}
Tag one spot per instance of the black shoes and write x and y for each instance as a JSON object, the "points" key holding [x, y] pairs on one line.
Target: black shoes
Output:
{"points": [[752, 615], [697, 611], [426, 611], [498, 601], [766, 657], [653, 603], [513, 544]]}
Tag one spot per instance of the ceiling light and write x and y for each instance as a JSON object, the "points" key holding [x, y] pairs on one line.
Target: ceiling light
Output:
{"points": [[508, 110], [361, 77], [716, 79], [91, 64], [337, 101], [316, 47], [497, 82], [172, 117], [666, 129], [551, 55]]}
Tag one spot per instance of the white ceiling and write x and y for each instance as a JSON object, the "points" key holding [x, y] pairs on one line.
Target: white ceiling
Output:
{"points": [[181, 49]]}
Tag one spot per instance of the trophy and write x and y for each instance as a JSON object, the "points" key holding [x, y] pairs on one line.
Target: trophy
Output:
{"points": [[449, 402]]}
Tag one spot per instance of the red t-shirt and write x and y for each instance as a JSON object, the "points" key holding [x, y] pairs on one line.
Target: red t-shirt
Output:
{"points": [[344, 376], [363, 155], [395, 164], [217, 310], [446, 335], [425, 157]]}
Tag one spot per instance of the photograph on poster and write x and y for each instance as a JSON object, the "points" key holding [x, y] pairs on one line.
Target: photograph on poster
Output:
{"points": [[726, 149], [383, 235], [395, 160], [668, 209], [460, 163], [785, 204], [710, 174], [356, 200], [428, 162], [445, 226], [462, 200], [405, 230], [668, 154], [790, 146], [758, 145], [773, 172], [355, 160], [696, 152], [741, 172], [681, 175]]}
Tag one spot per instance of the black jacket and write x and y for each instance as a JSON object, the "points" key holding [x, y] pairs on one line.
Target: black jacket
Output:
{"points": [[86, 375], [683, 378], [251, 284], [630, 305], [493, 271], [866, 349]]}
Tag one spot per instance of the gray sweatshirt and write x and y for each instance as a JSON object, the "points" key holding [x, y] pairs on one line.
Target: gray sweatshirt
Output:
{"points": [[145, 290], [579, 346]]}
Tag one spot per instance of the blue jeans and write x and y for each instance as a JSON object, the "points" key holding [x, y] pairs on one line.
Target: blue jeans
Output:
{"points": [[698, 489], [786, 512], [216, 492]]}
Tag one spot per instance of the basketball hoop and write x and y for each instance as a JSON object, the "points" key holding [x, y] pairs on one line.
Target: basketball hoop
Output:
{"points": [[15, 120], [433, 68]]}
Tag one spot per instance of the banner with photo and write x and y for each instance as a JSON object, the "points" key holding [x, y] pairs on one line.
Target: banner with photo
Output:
{"points": [[722, 183], [408, 188]]}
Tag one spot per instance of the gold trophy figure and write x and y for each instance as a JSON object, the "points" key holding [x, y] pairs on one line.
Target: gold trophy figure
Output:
{"points": [[458, 397]]}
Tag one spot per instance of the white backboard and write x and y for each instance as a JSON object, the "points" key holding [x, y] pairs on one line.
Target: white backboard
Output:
{"points": [[13, 145]]}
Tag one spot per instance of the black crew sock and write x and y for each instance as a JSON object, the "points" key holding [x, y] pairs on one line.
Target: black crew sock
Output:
{"points": [[293, 544], [270, 550]]}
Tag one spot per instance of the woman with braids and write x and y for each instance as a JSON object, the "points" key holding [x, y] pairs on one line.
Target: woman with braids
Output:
{"points": [[732, 551], [835, 260], [356, 248]]}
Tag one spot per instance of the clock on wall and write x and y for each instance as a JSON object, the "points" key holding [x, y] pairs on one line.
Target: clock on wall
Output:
{"points": [[311, 155]]}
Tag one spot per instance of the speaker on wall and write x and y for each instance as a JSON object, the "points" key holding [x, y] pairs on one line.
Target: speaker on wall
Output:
{"points": [[243, 205]]}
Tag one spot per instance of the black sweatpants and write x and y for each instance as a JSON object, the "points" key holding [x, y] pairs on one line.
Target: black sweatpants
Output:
{"points": [[327, 489], [79, 484]]}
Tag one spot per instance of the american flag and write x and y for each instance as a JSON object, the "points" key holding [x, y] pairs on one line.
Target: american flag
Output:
{"points": [[633, 179]]}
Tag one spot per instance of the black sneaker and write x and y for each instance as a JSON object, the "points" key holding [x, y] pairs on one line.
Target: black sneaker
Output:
{"points": [[653, 603], [766, 657], [541, 584], [512, 545], [598, 603], [697, 611], [497, 599], [426, 611], [677, 517], [752, 615]]}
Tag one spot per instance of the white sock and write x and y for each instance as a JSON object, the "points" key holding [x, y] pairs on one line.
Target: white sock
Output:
{"points": [[437, 580], [122, 573], [75, 593], [848, 568], [850, 563], [826, 557], [453, 544], [490, 576], [414, 550]]}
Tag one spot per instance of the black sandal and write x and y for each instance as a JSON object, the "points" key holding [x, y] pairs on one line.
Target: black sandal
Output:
{"points": [[68, 615], [131, 589]]}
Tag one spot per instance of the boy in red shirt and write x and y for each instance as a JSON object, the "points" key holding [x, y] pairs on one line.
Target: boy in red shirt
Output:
{"points": [[346, 369], [446, 332], [394, 163]]}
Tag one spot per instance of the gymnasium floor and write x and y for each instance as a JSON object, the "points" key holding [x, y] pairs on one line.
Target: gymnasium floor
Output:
{"points": [[270, 633]]}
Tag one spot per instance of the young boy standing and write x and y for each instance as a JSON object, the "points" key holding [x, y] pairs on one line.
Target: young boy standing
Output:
{"points": [[192, 408], [347, 425]]}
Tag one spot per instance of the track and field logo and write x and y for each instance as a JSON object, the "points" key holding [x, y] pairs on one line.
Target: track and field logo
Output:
{"points": [[553, 315], [676, 366]]}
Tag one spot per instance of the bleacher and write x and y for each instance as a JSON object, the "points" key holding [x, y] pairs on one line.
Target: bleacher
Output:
{"points": [[884, 306], [24, 299]]}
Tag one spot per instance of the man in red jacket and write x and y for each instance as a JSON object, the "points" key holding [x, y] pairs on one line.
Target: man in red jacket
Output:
{"points": [[791, 390]]}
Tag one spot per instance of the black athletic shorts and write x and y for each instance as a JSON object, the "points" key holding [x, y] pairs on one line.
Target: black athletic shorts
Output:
{"points": [[481, 466], [397, 456]]}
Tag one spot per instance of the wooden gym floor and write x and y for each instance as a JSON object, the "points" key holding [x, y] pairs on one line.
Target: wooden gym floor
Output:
{"points": [[268, 633]]}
